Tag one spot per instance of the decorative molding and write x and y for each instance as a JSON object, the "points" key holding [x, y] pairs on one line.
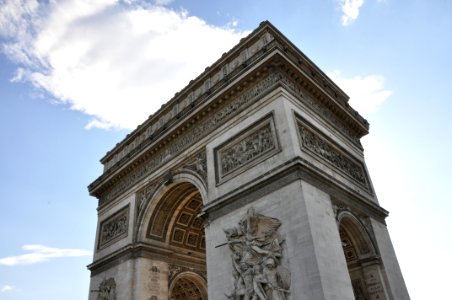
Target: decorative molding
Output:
{"points": [[176, 107], [247, 148], [144, 195], [256, 252], [319, 107], [114, 228], [193, 134], [174, 270], [197, 129], [259, 44], [265, 49], [198, 164], [335, 156]]}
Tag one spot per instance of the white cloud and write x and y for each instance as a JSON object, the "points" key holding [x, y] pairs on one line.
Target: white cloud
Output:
{"points": [[115, 61], [366, 93], [39, 253], [350, 10], [6, 288], [163, 2]]}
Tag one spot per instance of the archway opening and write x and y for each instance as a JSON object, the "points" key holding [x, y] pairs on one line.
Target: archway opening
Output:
{"points": [[188, 287], [175, 224], [354, 266], [363, 263]]}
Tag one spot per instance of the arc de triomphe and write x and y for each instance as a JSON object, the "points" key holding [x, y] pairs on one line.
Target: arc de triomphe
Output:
{"points": [[250, 183]]}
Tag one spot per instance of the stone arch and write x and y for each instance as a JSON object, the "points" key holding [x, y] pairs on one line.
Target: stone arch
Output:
{"points": [[352, 228], [364, 265], [188, 286], [166, 189]]}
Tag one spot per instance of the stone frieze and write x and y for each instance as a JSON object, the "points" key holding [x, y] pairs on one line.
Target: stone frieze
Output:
{"points": [[252, 145], [212, 121], [114, 228], [192, 135], [324, 149]]}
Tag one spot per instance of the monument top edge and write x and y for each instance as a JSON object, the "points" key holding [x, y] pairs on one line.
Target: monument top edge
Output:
{"points": [[200, 80]]}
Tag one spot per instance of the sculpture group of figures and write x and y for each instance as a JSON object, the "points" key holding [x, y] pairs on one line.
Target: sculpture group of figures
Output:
{"points": [[256, 259], [250, 147]]}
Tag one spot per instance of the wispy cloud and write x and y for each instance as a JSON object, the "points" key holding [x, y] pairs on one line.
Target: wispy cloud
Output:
{"points": [[39, 253], [350, 10], [163, 2], [366, 93], [6, 288], [117, 61]]}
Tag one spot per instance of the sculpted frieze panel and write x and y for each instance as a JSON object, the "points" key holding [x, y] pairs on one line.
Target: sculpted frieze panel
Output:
{"points": [[114, 228], [256, 254], [253, 145], [210, 122], [324, 149]]}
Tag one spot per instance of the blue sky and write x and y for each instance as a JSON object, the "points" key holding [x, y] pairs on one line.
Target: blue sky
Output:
{"points": [[76, 76]]}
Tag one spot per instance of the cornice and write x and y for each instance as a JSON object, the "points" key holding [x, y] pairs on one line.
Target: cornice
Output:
{"points": [[293, 170], [203, 96], [146, 250]]}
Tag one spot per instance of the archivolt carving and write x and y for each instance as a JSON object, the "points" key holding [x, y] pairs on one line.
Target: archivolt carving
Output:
{"points": [[145, 194], [198, 164], [256, 248], [175, 270], [355, 235]]}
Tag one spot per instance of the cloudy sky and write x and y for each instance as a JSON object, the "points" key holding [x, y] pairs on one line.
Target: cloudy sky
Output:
{"points": [[76, 76]]}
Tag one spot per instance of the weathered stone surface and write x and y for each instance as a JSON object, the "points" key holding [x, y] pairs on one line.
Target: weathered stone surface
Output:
{"points": [[250, 183]]}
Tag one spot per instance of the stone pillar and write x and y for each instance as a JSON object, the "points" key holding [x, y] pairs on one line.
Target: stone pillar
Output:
{"points": [[312, 250], [374, 280], [151, 279], [391, 266], [331, 273]]}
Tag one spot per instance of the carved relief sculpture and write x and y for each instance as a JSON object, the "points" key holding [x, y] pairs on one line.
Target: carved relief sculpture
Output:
{"points": [[253, 145], [115, 227], [107, 290], [326, 151], [256, 248]]}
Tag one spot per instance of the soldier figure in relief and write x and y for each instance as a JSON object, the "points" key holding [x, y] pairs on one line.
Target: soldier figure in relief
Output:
{"points": [[256, 252]]}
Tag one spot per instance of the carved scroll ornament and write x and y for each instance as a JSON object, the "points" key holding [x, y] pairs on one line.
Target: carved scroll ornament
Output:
{"points": [[256, 251]]}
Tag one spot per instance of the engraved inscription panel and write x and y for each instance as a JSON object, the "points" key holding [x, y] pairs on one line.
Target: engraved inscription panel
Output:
{"points": [[253, 145], [114, 228]]}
